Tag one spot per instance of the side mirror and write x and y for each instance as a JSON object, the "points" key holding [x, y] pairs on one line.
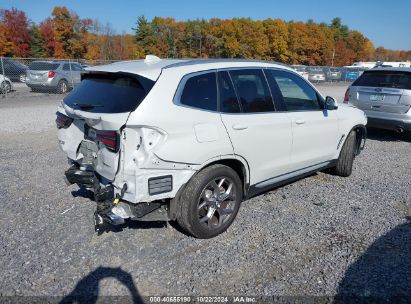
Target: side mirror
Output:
{"points": [[330, 103]]}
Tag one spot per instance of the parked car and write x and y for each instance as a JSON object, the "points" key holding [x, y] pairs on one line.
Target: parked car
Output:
{"points": [[301, 69], [316, 74], [351, 74], [384, 94], [6, 85], [332, 74], [55, 76], [14, 70], [188, 140]]}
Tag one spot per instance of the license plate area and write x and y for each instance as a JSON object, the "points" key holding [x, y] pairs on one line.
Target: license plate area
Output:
{"points": [[377, 97]]}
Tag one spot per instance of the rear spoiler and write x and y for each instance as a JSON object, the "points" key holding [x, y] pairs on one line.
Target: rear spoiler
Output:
{"points": [[146, 83]]}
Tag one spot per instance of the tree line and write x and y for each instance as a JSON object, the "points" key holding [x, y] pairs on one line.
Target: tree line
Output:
{"points": [[65, 35]]}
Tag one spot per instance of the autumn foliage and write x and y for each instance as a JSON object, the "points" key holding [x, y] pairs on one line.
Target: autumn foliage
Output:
{"points": [[65, 35]]}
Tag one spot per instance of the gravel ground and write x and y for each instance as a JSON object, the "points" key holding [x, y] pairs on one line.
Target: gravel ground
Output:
{"points": [[320, 236]]}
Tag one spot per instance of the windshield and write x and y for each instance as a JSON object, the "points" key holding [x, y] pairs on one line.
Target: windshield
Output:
{"points": [[108, 93], [385, 79], [316, 71], [43, 66]]}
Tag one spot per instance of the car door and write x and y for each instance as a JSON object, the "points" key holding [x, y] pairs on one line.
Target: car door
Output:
{"points": [[259, 135], [314, 129]]}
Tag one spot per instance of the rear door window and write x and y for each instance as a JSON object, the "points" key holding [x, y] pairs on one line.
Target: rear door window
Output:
{"points": [[43, 66], [252, 90], [385, 79], [297, 94], [116, 93], [199, 91]]}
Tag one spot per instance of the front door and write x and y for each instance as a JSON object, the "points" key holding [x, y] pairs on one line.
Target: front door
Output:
{"points": [[315, 130]]}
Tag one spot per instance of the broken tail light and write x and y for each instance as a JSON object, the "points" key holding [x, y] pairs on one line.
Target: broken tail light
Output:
{"points": [[63, 121], [110, 139]]}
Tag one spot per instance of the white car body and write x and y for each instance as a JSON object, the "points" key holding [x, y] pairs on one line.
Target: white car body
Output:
{"points": [[164, 138]]}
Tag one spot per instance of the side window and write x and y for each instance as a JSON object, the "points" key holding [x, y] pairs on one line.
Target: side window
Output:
{"points": [[66, 67], [228, 98], [200, 92], [297, 94], [76, 67], [252, 90]]}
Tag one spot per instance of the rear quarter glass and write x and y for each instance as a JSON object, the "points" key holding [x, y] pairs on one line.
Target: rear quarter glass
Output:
{"points": [[109, 93]]}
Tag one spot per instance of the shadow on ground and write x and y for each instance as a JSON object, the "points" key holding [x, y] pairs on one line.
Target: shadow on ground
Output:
{"points": [[387, 135], [87, 289], [383, 273]]}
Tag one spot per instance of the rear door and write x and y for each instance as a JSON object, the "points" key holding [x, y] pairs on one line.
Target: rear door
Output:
{"points": [[100, 107], [314, 130], [259, 135], [382, 91]]}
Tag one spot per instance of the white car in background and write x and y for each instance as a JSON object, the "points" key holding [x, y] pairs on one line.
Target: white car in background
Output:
{"points": [[301, 69], [189, 140]]}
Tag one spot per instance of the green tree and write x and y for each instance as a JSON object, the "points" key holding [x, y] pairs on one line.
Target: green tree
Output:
{"points": [[36, 42]]}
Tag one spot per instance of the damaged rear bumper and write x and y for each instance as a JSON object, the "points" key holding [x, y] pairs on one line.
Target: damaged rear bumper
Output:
{"points": [[111, 208]]}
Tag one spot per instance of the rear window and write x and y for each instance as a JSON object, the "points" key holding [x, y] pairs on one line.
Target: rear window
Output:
{"points": [[43, 66], [385, 79], [109, 93]]}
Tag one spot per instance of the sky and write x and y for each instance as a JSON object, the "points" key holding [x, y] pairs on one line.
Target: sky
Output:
{"points": [[385, 23]]}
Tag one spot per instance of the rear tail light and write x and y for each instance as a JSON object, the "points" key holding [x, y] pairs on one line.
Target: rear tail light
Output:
{"points": [[51, 74], [347, 96], [109, 138], [63, 121]]}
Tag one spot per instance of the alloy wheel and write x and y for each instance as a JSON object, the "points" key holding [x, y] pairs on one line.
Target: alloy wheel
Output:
{"points": [[217, 203]]}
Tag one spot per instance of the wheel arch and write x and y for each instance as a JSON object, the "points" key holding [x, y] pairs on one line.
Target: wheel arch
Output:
{"points": [[361, 136], [235, 162]]}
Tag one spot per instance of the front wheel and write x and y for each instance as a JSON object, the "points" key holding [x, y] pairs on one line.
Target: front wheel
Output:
{"points": [[5, 87], [210, 201], [347, 155]]}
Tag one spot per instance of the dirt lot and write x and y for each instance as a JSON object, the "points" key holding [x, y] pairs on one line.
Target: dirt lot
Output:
{"points": [[320, 236]]}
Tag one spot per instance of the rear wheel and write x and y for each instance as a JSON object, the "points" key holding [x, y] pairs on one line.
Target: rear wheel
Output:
{"points": [[22, 78], [210, 201], [62, 87], [347, 155], [5, 87]]}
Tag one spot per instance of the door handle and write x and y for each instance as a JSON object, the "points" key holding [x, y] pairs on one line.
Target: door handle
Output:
{"points": [[300, 121], [240, 127]]}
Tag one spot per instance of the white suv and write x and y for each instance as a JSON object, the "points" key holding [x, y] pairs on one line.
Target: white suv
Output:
{"points": [[189, 140]]}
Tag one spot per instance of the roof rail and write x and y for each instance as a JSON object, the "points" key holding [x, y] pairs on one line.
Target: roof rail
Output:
{"points": [[188, 62]]}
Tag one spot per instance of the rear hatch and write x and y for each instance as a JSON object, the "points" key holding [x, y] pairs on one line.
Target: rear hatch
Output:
{"points": [[99, 108], [39, 71], [382, 91]]}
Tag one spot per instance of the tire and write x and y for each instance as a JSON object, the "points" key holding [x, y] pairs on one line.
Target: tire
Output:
{"points": [[5, 87], [22, 78], [210, 201], [347, 155], [62, 87]]}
